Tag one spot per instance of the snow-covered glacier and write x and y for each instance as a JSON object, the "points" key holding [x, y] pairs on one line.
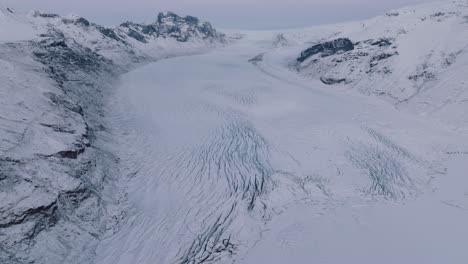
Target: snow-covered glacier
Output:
{"points": [[173, 143]]}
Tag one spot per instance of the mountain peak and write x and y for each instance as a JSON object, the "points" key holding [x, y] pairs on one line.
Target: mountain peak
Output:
{"points": [[171, 17], [170, 25]]}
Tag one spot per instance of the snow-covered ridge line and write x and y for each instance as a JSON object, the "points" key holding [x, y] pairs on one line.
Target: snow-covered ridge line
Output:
{"points": [[414, 58], [56, 168], [169, 35]]}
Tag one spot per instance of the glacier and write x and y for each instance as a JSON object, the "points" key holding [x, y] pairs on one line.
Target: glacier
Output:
{"points": [[174, 143]]}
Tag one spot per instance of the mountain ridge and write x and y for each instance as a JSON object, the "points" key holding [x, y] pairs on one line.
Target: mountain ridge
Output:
{"points": [[56, 174]]}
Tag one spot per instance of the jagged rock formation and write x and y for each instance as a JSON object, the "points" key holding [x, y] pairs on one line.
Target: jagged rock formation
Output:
{"points": [[53, 171], [327, 48], [334, 62], [132, 43], [167, 25], [170, 25]]}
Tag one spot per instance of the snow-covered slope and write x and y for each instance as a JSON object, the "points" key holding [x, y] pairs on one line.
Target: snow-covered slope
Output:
{"points": [[414, 57], [56, 177], [13, 27]]}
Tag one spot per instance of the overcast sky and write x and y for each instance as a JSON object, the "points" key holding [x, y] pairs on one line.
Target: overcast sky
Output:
{"points": [[239, 14]]}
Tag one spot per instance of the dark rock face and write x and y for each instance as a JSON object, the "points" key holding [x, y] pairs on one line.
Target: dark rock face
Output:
{"points": [[438, 14], [257, 59], [382, 42], [327, 48], [69, 154], [44, 215], [108, 33], [83, 22], [170, 25], [382, 56], [60, 101], [77, 21], [342, 62], [331, 81], [392, 14], [134, 34]]}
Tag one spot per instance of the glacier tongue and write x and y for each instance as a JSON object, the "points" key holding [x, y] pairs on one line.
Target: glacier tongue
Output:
{"points": [[218, 145]]}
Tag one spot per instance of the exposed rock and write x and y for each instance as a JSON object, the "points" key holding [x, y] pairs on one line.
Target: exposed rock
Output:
{"points": [[59, 128], [382, 56], [341, 61], [331, 81], [108, 33], [69, 154], [59, 101], [326, 49], [45, 213], [134, 34], [382, 42], [170, 25], [45, 15], [424, 76], [438, 14], [392, 14], [77, 21], [257, 59], [32, 215]]}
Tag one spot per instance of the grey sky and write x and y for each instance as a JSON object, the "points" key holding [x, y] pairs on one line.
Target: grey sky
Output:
{"points": [[241, 14]]}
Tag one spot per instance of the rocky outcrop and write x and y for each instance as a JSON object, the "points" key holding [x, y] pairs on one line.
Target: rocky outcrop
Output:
{"points": [[170, 25], [341, 61], [327, 48], [331, 81]]}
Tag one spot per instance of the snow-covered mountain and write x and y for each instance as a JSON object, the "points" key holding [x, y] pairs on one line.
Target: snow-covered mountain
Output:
{"points": [[330, 144], [413, 57], [56, 73]]}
